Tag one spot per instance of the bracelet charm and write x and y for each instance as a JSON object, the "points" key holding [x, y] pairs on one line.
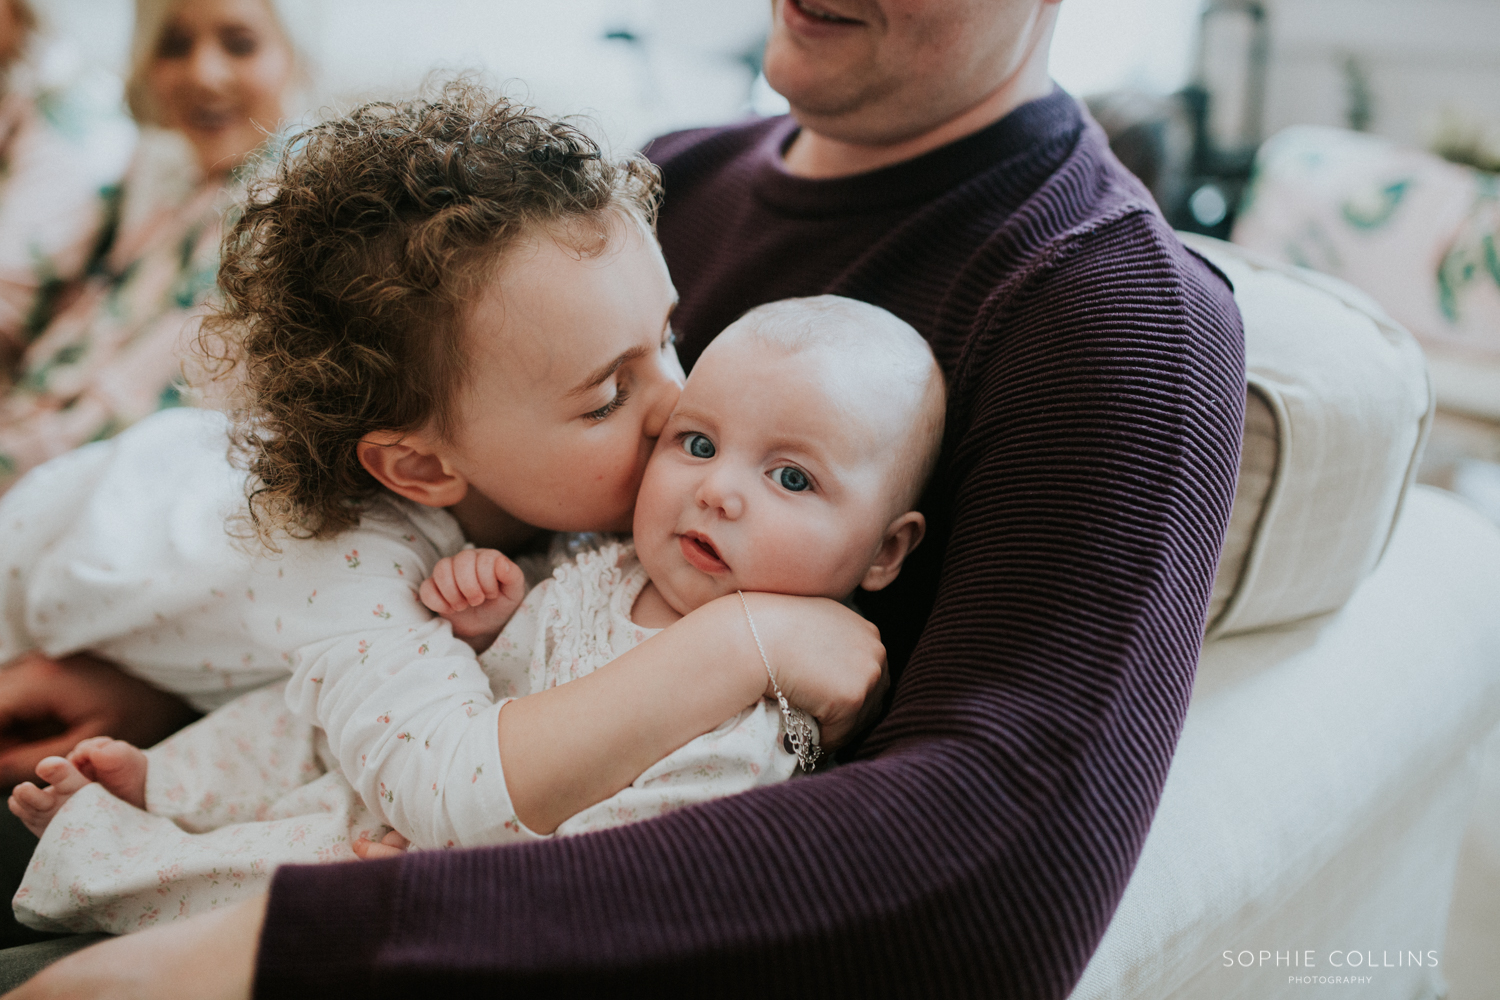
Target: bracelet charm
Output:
{"points": [[799, 728]]}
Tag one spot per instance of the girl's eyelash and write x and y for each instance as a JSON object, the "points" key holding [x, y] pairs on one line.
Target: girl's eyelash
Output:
{"points": [[621, 394]]}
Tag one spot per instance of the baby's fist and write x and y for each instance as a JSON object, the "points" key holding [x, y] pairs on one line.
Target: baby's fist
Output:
{"points": [[477, 591]]}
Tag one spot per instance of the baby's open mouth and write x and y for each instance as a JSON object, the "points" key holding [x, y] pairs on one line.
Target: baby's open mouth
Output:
{"points": [[700, 553]]}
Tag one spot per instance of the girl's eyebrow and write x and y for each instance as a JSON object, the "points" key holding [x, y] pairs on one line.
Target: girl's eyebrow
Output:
{"points": [[599, 377]]}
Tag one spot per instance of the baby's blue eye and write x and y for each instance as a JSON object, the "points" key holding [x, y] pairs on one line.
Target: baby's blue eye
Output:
{"points": [[699, 446], [791, 478]]}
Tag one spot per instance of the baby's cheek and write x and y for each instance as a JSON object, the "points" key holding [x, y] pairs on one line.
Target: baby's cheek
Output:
{"points": [[810, 557]]}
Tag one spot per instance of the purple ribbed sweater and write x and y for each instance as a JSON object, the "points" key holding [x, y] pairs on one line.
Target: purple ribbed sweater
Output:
{"points": [[981, 840]]}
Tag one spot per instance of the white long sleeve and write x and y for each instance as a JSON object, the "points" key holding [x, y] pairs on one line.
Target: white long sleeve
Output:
{"points": [[130, 548]]}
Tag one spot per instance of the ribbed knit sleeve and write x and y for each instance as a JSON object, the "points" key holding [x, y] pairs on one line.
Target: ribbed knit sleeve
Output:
{"points": [[981, 840]]}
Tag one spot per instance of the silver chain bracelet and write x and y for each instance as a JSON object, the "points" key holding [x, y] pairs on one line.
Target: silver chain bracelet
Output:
{"points": [[799, 728]]}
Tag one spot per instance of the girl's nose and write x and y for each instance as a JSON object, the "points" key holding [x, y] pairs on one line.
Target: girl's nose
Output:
{"points": [[665, 388]]}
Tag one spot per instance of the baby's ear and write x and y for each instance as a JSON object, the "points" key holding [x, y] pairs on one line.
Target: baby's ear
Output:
{"points": [[902, 536], [409, 467]]}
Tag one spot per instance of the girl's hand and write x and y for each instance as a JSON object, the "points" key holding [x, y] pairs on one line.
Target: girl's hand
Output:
{"points": [[476, 591], [828, 660]]}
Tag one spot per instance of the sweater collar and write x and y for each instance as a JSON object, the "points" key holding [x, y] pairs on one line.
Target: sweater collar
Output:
{"points": [[1024, 130]]}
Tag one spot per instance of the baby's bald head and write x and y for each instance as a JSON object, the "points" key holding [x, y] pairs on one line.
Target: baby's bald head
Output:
{"points": [[873, 365]]}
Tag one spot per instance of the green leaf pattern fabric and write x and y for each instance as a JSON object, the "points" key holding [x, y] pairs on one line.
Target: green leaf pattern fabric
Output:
{"points": [[1419, 234]]}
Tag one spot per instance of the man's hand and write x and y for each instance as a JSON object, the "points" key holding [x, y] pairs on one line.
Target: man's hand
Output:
{"points": [[211, 957], [47, 707]]}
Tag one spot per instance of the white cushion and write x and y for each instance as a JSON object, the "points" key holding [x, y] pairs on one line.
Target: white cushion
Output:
{"points": [[1320, 788], [1259, 452], [1347, 390]]}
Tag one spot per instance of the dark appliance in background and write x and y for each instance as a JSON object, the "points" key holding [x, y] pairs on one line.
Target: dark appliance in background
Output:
{"points": [[1194, 149]]}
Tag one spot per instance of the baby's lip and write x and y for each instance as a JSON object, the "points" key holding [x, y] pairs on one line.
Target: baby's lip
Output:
{"points": [[699, 550]]}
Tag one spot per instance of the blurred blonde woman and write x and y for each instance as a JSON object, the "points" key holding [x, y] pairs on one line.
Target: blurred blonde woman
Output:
{"points": [[64, 144], [218, 74]]}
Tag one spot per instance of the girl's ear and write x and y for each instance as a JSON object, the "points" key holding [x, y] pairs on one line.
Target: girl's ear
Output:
{"points": [[409, 467], [904, 534]]}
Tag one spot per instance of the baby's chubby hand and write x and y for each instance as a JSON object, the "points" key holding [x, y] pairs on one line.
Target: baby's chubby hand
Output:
{"points": [[477, 591]]}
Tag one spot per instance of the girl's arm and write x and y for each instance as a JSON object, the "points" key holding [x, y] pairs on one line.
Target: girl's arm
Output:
{"points": [[577, 744], [412, 720]]}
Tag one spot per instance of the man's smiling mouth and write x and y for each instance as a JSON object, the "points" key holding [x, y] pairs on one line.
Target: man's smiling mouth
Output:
{"points": [[821, 14]]}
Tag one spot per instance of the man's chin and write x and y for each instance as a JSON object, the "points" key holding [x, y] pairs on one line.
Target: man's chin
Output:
{"points": [[814, 84]]}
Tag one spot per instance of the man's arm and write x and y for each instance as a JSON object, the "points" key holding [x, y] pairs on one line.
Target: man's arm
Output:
{"points": [[982, 844]]}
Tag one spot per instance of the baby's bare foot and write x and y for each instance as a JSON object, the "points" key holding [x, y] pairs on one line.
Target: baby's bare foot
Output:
{"points": [[115, 764], [36, 806]]}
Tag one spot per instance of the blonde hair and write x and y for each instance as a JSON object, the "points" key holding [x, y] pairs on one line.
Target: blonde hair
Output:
{"points": [[152, 18], [26, 29]]}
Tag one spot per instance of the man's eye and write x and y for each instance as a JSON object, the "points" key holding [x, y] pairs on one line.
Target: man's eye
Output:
{"points": [[789, 477], [699, 446]]}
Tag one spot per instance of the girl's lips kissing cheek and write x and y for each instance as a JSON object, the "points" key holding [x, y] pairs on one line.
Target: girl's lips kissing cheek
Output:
{"points": [[700, 553]]}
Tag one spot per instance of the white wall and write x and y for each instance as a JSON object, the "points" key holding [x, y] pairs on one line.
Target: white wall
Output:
{"points": [[1424, 59], [686, 70], [1108, 44]]}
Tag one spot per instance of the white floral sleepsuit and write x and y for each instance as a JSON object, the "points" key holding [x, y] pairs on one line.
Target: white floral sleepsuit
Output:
{"points": [[97, 555]]}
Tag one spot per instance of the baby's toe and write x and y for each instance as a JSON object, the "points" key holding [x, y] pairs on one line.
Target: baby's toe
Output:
{"points": [[61, 774], [117, 755], [27, 797], [89, 745]]}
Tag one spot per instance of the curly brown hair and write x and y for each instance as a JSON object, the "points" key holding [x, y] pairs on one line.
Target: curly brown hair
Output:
{"points": [[346, 277]]}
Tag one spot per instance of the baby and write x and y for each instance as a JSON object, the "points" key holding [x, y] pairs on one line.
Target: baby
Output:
{"points": [[790, 465]]}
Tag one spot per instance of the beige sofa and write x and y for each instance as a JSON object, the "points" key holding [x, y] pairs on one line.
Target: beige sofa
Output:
{"points": [[1352, 669]]}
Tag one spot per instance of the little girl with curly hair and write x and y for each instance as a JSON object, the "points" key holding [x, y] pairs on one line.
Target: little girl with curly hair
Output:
{"points": [[449, 320]]}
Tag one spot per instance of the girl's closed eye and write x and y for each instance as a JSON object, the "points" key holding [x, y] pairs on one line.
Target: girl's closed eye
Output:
{"points": [[791, 478], [622, 393]]}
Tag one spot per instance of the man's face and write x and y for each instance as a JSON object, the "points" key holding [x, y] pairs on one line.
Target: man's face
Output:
{"points": [[881, 71]]}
